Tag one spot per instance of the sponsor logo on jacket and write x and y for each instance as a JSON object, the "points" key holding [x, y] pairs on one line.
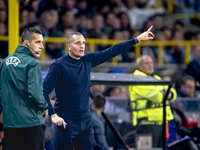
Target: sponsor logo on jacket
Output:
{"points": [[12, 60]]}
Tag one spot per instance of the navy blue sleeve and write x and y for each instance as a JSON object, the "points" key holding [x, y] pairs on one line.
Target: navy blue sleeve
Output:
{"points": [[105, 55], [49, 83]]}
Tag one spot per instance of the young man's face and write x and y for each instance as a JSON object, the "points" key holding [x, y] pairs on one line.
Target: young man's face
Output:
{"points": [[36, 45], [77, 46]]}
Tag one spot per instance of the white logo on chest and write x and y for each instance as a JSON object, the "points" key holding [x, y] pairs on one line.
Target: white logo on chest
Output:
{"points": [[12, 60]]}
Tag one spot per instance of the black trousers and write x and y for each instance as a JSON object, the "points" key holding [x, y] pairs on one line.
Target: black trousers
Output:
{"points": [[30, 138]]}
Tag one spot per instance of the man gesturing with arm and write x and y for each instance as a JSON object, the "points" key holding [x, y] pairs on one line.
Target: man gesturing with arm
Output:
{"points": [[70, 75]]}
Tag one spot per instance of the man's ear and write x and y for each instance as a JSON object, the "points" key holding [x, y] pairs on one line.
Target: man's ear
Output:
{"points": [[69, 47], [26, 42]]}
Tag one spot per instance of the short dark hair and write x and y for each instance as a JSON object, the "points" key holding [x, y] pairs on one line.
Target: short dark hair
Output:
{"points": [[99, 101], [28, 33], [69, 37], [185, 78], [178, 22]]}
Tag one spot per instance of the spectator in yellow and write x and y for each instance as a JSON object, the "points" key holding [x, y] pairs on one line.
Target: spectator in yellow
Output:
{"points": [[147, 103]]}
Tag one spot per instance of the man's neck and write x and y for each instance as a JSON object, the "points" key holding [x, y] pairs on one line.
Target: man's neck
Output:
{"points": [[98, 112], [74, 57]]}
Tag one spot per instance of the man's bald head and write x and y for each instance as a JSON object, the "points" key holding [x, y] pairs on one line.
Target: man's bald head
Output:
{"points": [[145, 64]]}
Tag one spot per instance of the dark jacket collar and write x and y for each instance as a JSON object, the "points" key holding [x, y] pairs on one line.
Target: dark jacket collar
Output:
{"points": [[24, 50]]}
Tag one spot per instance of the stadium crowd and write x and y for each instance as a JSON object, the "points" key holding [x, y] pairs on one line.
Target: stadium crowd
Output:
{"points": [[114, 19]]}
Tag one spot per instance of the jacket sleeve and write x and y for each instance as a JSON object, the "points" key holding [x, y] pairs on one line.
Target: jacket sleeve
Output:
{"points": [[173, 91], [49, 83], [105, 55], [34, 84]]}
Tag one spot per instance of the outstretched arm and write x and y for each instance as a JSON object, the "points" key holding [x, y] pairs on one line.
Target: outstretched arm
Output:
{"points": [[105, 55]]}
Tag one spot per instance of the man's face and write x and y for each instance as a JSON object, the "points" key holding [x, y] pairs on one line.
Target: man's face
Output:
{"points": [[197, 52], [77, 46], [36, 45], [188, 88], [146, 65]]}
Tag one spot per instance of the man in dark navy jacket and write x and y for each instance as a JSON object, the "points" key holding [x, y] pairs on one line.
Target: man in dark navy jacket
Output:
{"points": [[70, 75]]}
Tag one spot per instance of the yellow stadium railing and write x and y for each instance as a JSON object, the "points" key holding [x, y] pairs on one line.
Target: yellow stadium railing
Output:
{"points": [[92, 42]]}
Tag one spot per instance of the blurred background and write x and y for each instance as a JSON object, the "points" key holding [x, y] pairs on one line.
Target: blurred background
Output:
{"points": [[175, 50]]}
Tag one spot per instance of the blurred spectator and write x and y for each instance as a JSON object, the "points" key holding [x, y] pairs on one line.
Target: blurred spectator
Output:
{"points": [[82, 26], [110, 18], [160, 36], [70, 5], [48, 21], [178, 26], [33, 24], [187, 87], [167, 32], [166, 78], [125, 35], [178, 52], [50, 4], [97, 90], [49, 133], [68, 31], [82, 6], [117, 35], [157, 21], [125, 21], [138, 9], [116, 24], [105, 10], [148, 24], [3, 29], [136, 33], [97, 107], [103, 46], [190, 35], [98, 27], [117, 92], [54, 50], [1, 136], [193, 67], [67, 20], [24, 4], [3, 44], [198, 35], [126, 7], [116, 9], [33, 6], [3, 15], [24, 17]]}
